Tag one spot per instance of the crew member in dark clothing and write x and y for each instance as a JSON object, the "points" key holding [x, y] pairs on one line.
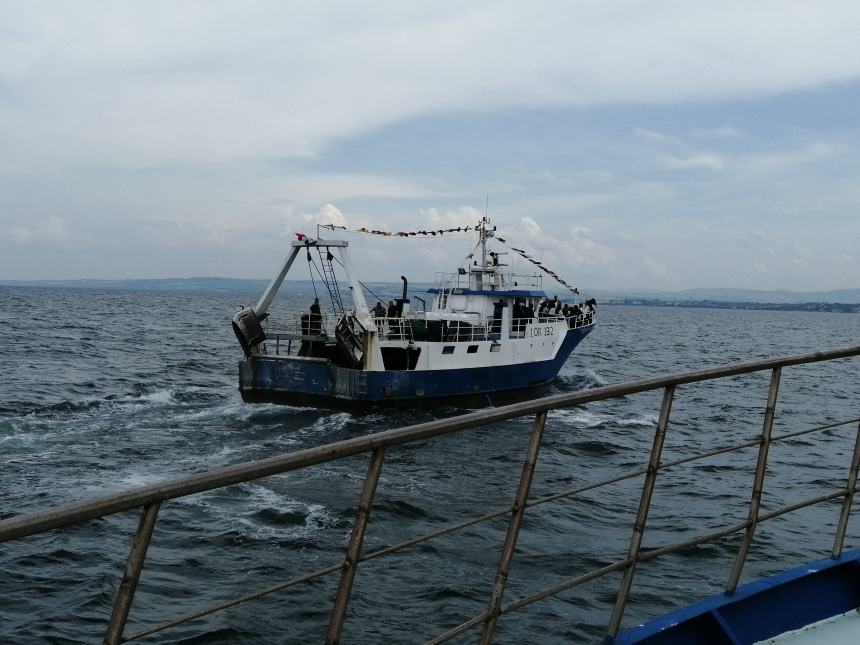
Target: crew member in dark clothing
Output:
{"points": [[379, 311], [519, 314], [393, 314], [575, 316], [496, 324], [315, 318]]}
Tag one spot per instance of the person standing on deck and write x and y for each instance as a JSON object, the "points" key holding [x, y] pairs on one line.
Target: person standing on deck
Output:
{"points": [[316, 318]]}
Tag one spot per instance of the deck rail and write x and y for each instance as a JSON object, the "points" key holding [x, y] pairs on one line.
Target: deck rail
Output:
{"points": [[150, 499], [499, 280], [285, 332]]}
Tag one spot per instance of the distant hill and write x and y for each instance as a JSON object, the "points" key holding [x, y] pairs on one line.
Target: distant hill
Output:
{"points": [[235, 285], [723, 294]]}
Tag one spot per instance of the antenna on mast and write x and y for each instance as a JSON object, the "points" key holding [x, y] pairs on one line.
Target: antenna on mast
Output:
{"points": [[485, 233]]}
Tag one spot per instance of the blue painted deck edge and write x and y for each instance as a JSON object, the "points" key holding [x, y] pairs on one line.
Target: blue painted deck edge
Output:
{"points": [[761, 609]]}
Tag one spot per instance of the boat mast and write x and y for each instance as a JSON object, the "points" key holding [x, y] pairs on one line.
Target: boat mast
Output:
{"points": [[483, 233]]}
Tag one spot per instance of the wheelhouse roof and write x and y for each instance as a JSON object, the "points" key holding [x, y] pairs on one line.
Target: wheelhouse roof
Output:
{"points": [[509, 293]]}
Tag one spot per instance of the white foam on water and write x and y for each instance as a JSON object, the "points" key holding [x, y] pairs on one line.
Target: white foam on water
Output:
{"points": [[586, 419], [163, 397], [647, 421], [244, 513], [237, 410], [581, 418], [333, 422], [139, 479], [594, 377]]}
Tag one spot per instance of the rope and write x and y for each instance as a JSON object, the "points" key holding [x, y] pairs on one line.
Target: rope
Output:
{"points": [[311, 267]]}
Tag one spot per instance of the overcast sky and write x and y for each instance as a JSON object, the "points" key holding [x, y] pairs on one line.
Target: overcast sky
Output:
{"points": [[628, 144]]}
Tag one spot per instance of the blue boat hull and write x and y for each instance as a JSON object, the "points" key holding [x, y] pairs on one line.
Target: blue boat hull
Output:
{"points": [[305, 382]]}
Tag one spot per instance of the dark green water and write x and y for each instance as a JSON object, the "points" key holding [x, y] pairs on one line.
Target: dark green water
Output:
{"points": [[104, 391]]}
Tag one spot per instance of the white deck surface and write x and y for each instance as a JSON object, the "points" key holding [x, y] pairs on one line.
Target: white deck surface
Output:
{"points": [[837, 630]]}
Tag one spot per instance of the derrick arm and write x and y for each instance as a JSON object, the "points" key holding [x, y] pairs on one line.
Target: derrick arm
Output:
{"points": [[361, 310], [275, 284]]}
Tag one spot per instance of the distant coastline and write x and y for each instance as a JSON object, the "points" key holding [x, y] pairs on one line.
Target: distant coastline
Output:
{"points": [[833, 307], [841, 300]]}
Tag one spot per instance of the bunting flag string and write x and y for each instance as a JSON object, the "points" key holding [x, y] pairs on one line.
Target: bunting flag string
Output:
{"points": [[459, 229], [540, 265], [440, 231]]}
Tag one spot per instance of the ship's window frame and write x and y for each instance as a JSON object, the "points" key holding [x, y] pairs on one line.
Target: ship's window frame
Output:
{"points": [[448, 349], [472, 349], [496, 347]]}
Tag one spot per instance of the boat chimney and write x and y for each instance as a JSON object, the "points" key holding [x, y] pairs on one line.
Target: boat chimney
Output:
{"points": [[404, 301]]}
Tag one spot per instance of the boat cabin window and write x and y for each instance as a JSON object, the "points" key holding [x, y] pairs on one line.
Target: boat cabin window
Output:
{"points": [[473, 349], [448, 349], [495, 347]]}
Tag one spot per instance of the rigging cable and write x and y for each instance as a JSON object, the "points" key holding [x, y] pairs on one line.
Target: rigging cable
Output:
{"points": [[311, 267], [368, 289]]}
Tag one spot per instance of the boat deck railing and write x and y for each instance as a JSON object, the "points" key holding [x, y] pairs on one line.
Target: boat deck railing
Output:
{"points": [[150, 499], [300, 326], [498, 280], [285, 332]]}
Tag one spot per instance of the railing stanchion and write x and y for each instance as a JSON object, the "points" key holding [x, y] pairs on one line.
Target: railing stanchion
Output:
{"points": [[848, 500], [758, 483], [353, 551], [517, 512], [642, 514], [125, 593]]}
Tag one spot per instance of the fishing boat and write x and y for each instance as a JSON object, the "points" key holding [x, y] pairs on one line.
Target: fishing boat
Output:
{"points": [[484, 332]]}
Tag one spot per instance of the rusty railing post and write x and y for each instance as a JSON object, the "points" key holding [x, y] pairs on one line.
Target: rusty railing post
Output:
{"points": [[517, 512], [758, 483], [125, 593], [642, 514], [353, 551], [848, 500]]}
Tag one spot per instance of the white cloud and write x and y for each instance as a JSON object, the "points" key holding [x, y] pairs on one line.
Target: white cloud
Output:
{"points": [[188, 128], [644, 134], [530, 228], [52, 232], [769, 162], [712, 162], [327, 214], [215, 80], [580, 249], [725, 132], [563, 253], [463, 216], [313, 187], [655, 268]]}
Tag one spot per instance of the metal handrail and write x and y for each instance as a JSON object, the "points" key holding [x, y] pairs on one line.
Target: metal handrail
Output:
{"points": [[151, 497], [178, 620]]}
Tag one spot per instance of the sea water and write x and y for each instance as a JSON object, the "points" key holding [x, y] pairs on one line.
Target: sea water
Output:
{"points": [[102, 391]]}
